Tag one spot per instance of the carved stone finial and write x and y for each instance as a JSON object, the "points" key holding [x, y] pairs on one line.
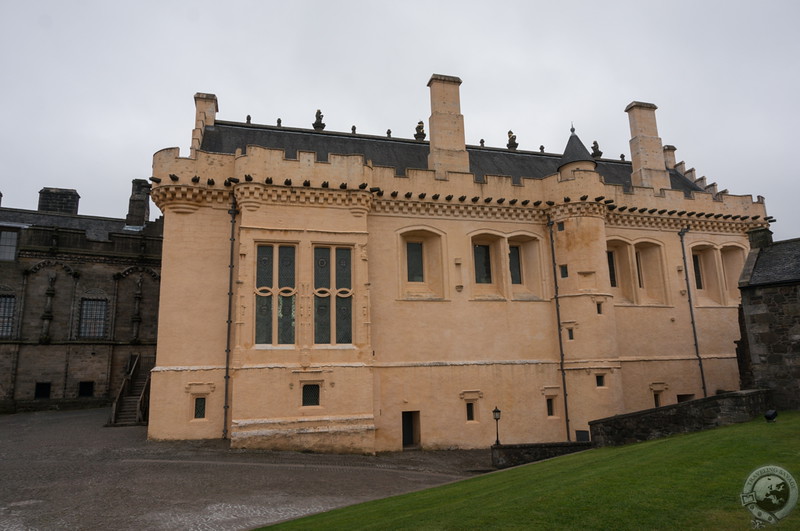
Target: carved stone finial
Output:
{"points": [[572, 128], [512, 141], [541, 148], [388, 133], [420, 131], [248, 118], [482, 141], [622, 156], [318, 125], [596, 153], [353, 129], [279, 122]]}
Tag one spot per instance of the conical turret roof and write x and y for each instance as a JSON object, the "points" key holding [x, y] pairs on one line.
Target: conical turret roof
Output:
{"points": [[575, 151]]}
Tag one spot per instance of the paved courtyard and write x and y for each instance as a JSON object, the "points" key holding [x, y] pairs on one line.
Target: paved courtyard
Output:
{"points": [[64, 470]]}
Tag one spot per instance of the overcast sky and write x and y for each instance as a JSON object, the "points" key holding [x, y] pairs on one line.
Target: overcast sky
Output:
{"points": [[91, 89]]}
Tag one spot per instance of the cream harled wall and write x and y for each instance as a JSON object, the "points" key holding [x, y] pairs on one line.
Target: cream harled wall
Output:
{"points": [[429, 360]]}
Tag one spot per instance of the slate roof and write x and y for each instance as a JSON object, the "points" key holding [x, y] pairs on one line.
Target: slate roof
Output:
{"points": [[778, 263], [97, 228], [404, 154]]}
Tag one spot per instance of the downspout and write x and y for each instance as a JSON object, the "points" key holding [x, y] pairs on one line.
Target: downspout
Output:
{"points": [[558, 326], [233, 212], [682, 233]]}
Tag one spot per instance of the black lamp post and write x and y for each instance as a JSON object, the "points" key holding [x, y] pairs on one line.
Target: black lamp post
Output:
{"points": [[496, 415]]}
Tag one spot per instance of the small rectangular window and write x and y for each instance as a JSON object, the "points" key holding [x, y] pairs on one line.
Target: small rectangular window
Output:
{"points": [[42, 390], [600, 380], [684, 398], [483, 264], [698, 276], [560, 226], [8, 245], [564, 270], [93, 318], [551, 407], [582, 436], [470, 410], [599, 308], [7, 306], [657, 398], [311, 394], [85, 389], [570, 333], [515, 264], [200, 407], [414, 262]]}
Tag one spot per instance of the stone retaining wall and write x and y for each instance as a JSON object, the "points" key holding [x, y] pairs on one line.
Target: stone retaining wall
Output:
{"points": [[686, 417], [508, 455]]}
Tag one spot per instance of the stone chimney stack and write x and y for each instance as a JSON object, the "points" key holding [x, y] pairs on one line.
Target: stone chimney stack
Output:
{"points": [[60, 200], [448, 149], [206, 109], [669, 157], [647, 153], [760, 238], [139, 204]]}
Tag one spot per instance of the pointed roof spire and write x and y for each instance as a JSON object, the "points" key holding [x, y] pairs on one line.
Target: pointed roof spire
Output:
{"points": [[575, 150]]}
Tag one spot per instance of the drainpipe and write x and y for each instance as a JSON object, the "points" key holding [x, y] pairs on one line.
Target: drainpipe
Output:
{"points": [[681, 234], [558, 326], [233, 212]]}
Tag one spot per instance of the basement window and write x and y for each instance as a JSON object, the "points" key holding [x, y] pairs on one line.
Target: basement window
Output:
{"points": [[311, 395]]}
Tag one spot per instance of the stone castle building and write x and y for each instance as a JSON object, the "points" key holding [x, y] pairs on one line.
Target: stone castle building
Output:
{"points": [[345, 292], [770, 286], [78, 300]]}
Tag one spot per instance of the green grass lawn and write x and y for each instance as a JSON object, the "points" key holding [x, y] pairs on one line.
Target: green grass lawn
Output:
{"points": [[683, 482]]}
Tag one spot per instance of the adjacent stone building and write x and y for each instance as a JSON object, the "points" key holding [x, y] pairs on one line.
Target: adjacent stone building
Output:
{"points": [[335, 291], [78, 299], [770, 286]]}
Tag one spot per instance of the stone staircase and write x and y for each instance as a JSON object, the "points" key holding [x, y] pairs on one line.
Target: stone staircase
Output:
{"points": [[127, 406]]}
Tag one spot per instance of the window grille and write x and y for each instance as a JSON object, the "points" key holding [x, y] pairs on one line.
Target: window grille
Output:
{"points": [[93, 318], [7, 306], [311, 395], [8, 245]]}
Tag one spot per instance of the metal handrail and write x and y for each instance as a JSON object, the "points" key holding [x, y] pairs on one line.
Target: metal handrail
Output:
{"points": [[142, 408], [133, 364]]}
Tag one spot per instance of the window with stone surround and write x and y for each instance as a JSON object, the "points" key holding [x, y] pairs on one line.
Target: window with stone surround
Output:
{"points": [[7, 308], [732, 265], [311, 394], [489, 266], [333, 295], [93, 319], [276, 294], [707, 278], [524, 267], [422, 274], [636, 272], [8, 245]]}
